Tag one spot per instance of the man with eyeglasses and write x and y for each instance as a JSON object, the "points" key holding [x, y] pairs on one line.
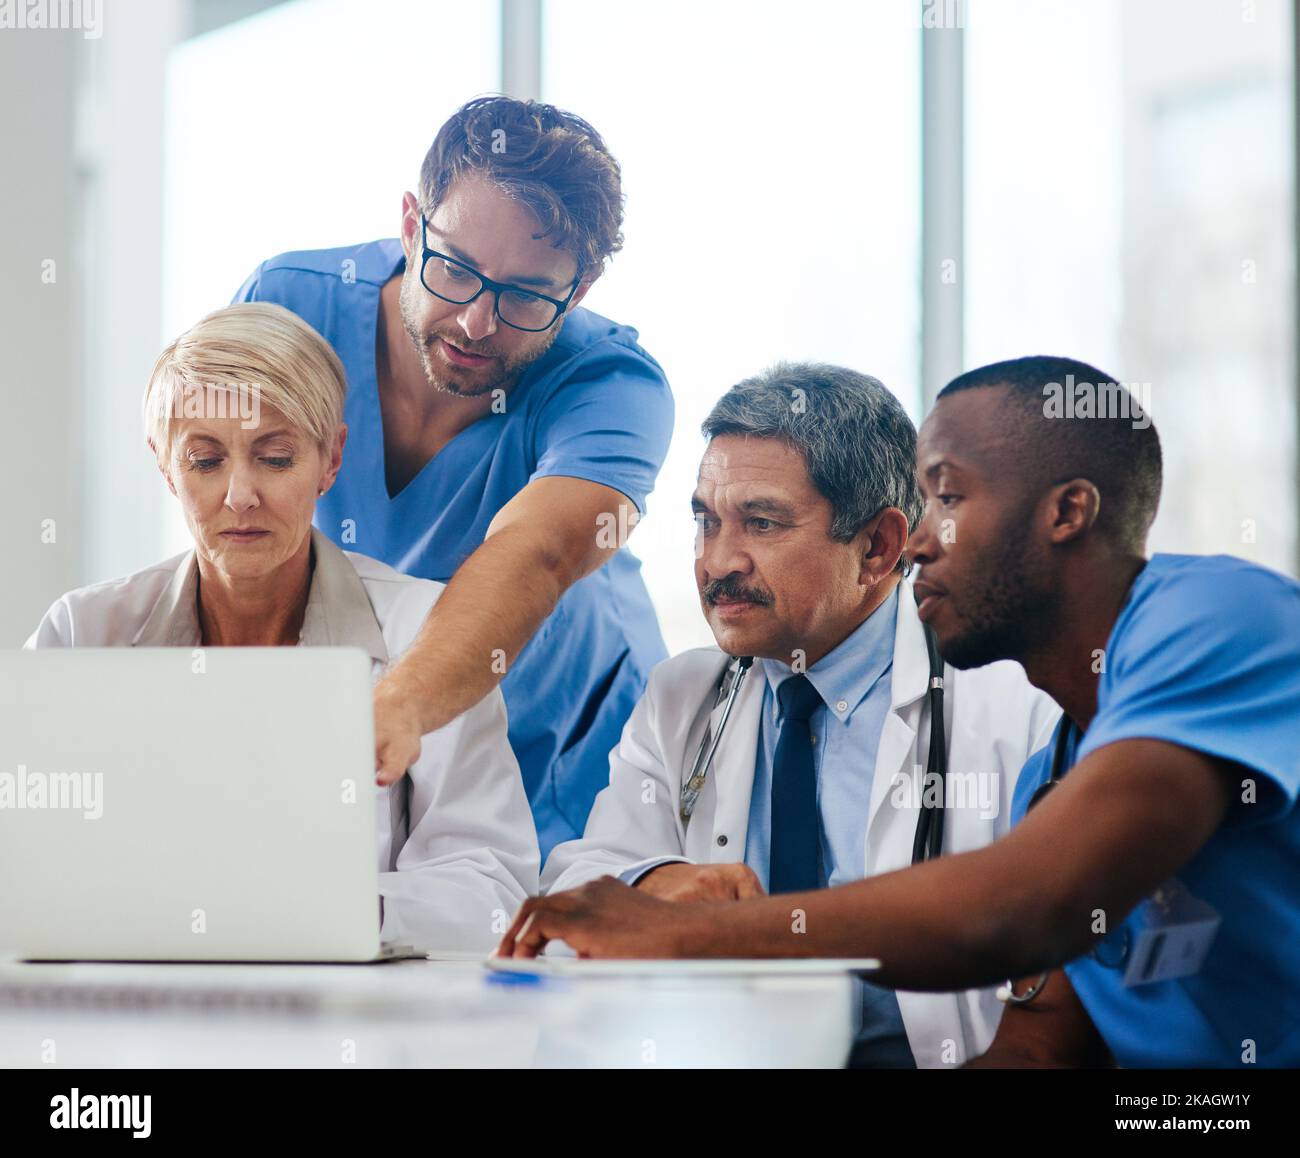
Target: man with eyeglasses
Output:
{"points": [[501, 439]]}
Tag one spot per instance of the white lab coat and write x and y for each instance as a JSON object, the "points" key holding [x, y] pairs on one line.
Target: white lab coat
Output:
{"points": [[995, 719], [457, 849]]}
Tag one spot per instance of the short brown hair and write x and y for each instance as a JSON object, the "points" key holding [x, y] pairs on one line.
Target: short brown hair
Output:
{"points": [[552, 161]]}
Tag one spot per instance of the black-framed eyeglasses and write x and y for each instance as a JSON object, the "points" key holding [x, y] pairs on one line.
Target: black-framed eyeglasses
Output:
{"points": [[452, 280]]}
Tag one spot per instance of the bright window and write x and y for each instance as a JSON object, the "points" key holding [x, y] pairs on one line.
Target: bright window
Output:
{"points": [[1129, 202], [301, 128], [770, 159]]}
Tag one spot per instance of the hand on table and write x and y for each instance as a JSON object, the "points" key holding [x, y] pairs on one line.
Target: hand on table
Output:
{"points": [[605, 918], [700, 882]]}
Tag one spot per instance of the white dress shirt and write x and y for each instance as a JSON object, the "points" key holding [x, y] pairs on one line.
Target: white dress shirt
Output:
{"points": [[456, 847]]}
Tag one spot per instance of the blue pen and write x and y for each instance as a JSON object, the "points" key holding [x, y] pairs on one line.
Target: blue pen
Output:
{"points": [[496, 978]]}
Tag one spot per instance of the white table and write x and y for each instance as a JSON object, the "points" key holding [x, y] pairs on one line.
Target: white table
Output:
{"points": [[410, 1013]]}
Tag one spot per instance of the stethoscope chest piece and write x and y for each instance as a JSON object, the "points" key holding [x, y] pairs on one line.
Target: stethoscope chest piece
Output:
{"points": [[733, 675]]}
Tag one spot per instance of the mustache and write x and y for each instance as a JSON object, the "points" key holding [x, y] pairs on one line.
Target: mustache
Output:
{"points": [[730, 587]]}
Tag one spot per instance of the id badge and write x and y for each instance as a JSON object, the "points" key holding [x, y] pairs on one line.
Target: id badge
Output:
{"points": [[1168, 936]]}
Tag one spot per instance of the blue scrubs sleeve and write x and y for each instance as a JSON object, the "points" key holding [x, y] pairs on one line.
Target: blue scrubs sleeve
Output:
{"points": [[610, 424], [1208, 662]]}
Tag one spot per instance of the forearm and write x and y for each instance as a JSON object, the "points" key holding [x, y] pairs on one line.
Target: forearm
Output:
{"points": [[1128, 817], [1124, 821], [492, 607], [949, 924]]}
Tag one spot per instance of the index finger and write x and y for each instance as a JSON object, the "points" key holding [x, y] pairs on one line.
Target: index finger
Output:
{"points": [[507, 946], [531, 939], [387, 770]]}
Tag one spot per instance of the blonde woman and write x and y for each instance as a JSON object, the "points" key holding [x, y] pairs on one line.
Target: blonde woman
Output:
{"points": [[244, 415]]}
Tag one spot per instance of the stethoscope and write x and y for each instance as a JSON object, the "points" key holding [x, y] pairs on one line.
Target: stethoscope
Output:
{"points": [[928, 841], [1006, 991], [733, 675]]}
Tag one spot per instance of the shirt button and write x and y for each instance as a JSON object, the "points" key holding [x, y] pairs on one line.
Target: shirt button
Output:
{"points": [[842, 706], [812, 739], [722, 840]]}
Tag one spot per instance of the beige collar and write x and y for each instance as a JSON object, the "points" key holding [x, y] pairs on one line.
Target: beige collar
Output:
{"points": [[339, 612]]}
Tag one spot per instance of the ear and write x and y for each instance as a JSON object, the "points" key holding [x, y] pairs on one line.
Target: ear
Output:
{"points": [[881, 544], [335, 458], [1074, 507], [411, 214]]}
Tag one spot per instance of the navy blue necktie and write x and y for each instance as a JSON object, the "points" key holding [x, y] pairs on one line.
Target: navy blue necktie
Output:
{"points": [[794, 865]]}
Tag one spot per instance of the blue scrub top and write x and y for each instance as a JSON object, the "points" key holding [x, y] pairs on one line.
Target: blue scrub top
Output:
{"points": [[1206, 654], [596, 406]]}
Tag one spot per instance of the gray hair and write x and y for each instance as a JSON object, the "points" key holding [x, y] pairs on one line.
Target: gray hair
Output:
{"points": [[855, 437]]}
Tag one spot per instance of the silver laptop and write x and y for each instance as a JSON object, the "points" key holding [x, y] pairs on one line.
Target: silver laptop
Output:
{"points": [[164, 804]]}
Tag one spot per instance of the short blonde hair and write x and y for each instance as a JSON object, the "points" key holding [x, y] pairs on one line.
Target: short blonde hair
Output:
{"points": [[255, 347]]}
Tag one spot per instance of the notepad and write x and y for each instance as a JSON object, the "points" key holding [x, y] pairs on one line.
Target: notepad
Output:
{"points": [[678, 967]]}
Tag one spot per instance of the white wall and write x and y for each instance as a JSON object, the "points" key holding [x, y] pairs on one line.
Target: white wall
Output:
{"points": [[122, 151], [81, 185], [40, 456]]}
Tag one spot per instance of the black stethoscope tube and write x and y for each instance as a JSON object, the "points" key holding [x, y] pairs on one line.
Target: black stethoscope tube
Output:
{"points": [[928, 842]]}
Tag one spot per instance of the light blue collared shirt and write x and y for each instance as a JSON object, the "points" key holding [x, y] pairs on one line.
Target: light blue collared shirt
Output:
{"points": [[853, 682]]}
